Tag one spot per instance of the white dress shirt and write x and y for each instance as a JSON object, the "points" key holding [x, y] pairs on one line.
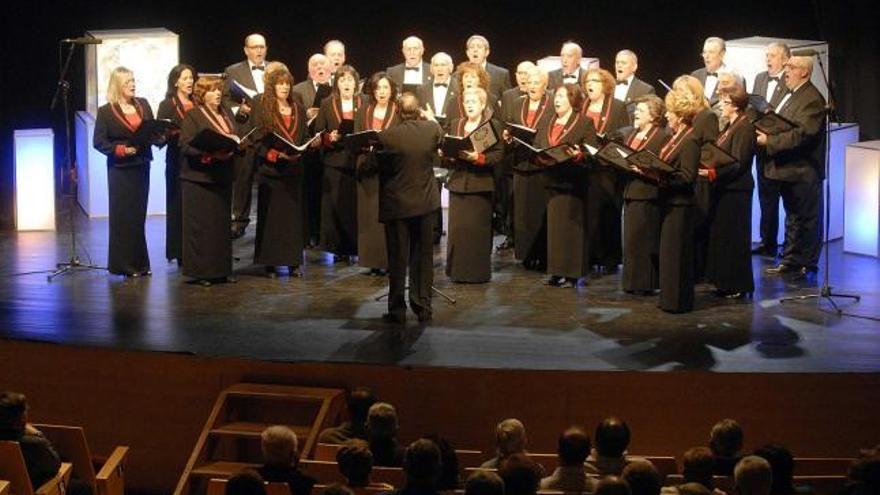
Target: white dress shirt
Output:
{"points": [[620, 89]]}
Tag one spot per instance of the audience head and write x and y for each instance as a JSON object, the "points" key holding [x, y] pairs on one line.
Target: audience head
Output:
{"points": [[798, 71], [13, 415], [121, 86], [776, 55], [337, 489], [611, 437], [642, 477], [698, 466], [355, 462], [752, 476], [413, 49], [612, 485], [626, 63], [713, 53], [693, 489], [208, 90], [573, 447], [522, 74], [279, 445], [383, 90], [448, 479], [781, 465], [510, 437], [255, 49], [570, 56], [334, 50], [422, 463], [865, 474], [477, 49], [382, 421], [360, 399], [484, 482], [726, 437], [650, 109], [441, 67], [568, 97], [246, 482], [181, 78], [521, 475]]}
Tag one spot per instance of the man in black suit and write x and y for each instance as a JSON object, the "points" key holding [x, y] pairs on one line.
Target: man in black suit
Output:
{"points": [[796, 159], [570, 58], [435, 97], [413, 73], [629, 87], [408, 200], [40, 458], [714, 49], [320, 69], [509, 97], [499, 77], [770, 85], [244, 77], [334, 50]]}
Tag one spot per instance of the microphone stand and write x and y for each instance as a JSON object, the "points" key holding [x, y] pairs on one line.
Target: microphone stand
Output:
{"points": [[73, 264], [826, 291]]}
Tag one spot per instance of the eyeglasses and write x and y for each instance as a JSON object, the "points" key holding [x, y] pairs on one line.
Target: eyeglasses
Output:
{"points": [[594, 80]]}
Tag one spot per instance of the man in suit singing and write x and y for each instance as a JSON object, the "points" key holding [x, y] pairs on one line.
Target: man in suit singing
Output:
{"points": [[408, 201], [334, 50], [570, 56], [413, 73], [499, 77], [796, 159], [714, 49], [244, 78], [770, 84], [629, 87]]}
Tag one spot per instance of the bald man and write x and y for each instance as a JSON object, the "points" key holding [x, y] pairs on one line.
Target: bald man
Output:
{"points": [[334, 50], [413, 73], [570, 56]]}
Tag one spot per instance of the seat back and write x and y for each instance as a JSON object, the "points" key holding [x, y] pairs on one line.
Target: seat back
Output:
{"points": [[469, 458], [326, 451], [820, 485], [723, 483], [13, 469], [822, 466], [325, 472], [70, 442], [665, 464], [111, 477], [4, 487], [217, 486]]}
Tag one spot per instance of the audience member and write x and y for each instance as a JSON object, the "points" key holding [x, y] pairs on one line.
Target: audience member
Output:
{"points": [[448, 479], [521, 475], [355, 463], [40, 457], [642, 477], [382, 435], [422, 467], [281, 456], [572, 450], [609, 455], [781, 466], [698, 466], [864, 475], [612, 485], [726, 441], [691, 489], [752, 476], [246, 482], [337, 489], [359, 402], [510, 438], [484, 483]]}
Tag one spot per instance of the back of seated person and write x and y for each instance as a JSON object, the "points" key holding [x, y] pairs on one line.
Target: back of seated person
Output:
{"points": [[690, 489], [864, 474], [40, 458], [246, 482], [358, 403], [382, 429], [521, 475], [355, 463], [698, 466], [609, 457], [337, 489], [781, 467], [612, 485], [510, 438], [573, 448], [484, 483], [281, 456], [752, 476], [449, 478], [422, 468], [726, 441], [642, 477]]}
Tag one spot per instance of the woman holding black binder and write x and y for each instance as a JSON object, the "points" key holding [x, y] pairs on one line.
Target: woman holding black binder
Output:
{"points": [[207, 144], [178, 101], [282, 124], [471, 185], [128, 173], [339, 194]]}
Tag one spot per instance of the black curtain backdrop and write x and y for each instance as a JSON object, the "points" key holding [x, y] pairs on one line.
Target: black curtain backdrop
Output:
{"points": [[667, 36]]}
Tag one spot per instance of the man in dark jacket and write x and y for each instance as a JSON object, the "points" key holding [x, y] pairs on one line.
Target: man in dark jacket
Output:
{"points": [[40, 457]]}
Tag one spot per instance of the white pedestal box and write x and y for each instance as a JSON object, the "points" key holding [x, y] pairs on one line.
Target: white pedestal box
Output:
{"points": [[862, 219], [34, 179]]}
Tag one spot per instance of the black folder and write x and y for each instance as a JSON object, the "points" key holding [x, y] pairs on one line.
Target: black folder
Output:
{"points": [[151, 130], [615, 155], [646, 160], [712, 156], [241, 93], [346, 126], [357, 141], [210, 141], [521, 132], [773, 123], [759, 103], [453, 145], [556, 154], [281, 142], [321, 92]]}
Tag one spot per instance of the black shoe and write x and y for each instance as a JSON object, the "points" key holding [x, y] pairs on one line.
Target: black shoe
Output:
{"points": [[237, 232], [764, 250], [805, 273], [553, 281], [781, 268], [394, 318], [294, 272], [568, 283], [271, 272], [739, 295], [132, 275], [204, 283], [424, 316], [231, 279], [506, 245]]}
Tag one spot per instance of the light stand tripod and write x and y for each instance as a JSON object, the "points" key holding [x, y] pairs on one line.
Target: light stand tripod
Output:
{"points": [[73, 264], [826, 292]]}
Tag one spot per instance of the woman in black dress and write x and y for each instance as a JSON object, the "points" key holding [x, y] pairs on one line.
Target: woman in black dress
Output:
{"points": [[178, 101], [467, 75], [206, 186], [682, 153], [128, 173], [568, 250], [729, 262], [339, 194], [641, 212], [471, 185], [379, 114]]}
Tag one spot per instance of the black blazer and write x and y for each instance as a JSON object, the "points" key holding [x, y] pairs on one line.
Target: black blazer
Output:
{"points": [[197, 165], [554, 78], [112, 130], [798, 155], [363, 120], [636, 89], [297, 133], [407, 187], [569, 175], [677, 188], [455, 109], [396, 73], [328, 119], [241, 73], [523, 162], [499, 82], [738, 139], [509, 101], [172, 109], [643, 188], [467, 177], [705, 126], [612, 118], [426, 97], [762, 80], [305, 91], [702, 73]]}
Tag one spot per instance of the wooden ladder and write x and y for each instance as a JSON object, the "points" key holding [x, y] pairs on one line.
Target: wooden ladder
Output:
{"points": [[230, 439]]}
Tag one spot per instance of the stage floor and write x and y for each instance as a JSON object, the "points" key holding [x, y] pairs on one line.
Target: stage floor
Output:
{"points": [[513, 322]]}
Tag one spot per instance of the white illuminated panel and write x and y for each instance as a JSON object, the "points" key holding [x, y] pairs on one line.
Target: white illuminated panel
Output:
{"points": [[862, 219], [746, 57], [34, 179]]}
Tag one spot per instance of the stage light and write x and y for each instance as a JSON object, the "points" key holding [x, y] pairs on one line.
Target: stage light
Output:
{"points": [[34, 179], [862, 221]]}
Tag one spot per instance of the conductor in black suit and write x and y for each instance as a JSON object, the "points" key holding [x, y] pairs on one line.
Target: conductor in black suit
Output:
{"points": [[770, 85], [714, 49], [795, 159], [629, 87], [570, 56], [413, 73], [249, 74], [499, 77], [408, 200]]}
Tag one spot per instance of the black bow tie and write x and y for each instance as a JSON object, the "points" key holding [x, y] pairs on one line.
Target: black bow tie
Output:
{"points": [[258, 67], [411, 68], [624, 82], [711, 74], [437, 85], [569, 76], [776, 78]]}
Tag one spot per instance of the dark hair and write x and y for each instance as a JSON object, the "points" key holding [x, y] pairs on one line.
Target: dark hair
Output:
{"points": [[269, 99], [345, 70], [737, 95], [612, 485], [13, 405], [521, 475], [781, 466], [575, 95], [573, 447], [726, 438], [608, 80], [355, 462], [448, 479], [409, 107], [370, 90], [174, 75], [484, 482], [246, 482], [612, 437], [361, 398], [693, 489], [422, 462], [866, 472], [643, 478], [698, 465]]}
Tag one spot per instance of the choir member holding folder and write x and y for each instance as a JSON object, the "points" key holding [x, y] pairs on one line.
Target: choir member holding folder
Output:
{"points": [[120, 134], [178, 101], [729, 262], [682, 154], [641, 226], [208, 143], [471, 186], [567, 245], [379, 114], [468, 75], [281, 231], [339, 194]]}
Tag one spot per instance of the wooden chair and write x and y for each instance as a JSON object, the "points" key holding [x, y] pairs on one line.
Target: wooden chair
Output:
{"points": [[13, 469], [821, 485], [325, 472], [363, 490], [71, 444], [4, 487], [723, 483], [469, 458], [326, 451], [547, 461], [822, 466], [665, 464], [217, 486]]}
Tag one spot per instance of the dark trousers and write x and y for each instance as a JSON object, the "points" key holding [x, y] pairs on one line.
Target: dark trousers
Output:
{"points": [[314, 173], [503, 202], [768, 198], [243, 167], [803, 225], [410, 245]]}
